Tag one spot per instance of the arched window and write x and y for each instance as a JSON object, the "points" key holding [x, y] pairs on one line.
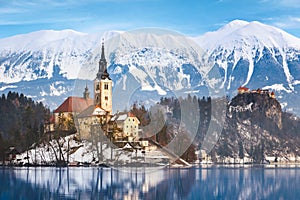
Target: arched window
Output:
{"points": [[106, 86]]}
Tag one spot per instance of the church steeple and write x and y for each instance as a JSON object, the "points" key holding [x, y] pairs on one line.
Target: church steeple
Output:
{"points": [[102, 72], [103, 85], [102, 52], [86, 93]]}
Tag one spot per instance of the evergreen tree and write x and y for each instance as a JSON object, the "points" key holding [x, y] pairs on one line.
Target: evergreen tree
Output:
{"points": [[241, 150], [22, 121]]}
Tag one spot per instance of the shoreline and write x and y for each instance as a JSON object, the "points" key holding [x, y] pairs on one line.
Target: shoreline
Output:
{"points": [[142, 165]]}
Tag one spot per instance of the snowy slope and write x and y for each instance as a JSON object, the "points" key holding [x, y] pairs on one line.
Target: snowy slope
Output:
{"points": [[157, 62], [250, 40], [238, 33], [34, 55], [255, 55], [83, 151]]}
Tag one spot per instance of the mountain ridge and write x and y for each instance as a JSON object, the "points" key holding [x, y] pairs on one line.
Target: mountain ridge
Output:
{"points": [[247, 60], [243, 29]]}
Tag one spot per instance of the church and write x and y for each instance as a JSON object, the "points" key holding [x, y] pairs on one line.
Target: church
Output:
{"points": [[100, 112], [88, 113]]}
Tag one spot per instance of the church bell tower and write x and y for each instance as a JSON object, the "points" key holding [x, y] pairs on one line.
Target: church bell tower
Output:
{"points": [[103, 85]]}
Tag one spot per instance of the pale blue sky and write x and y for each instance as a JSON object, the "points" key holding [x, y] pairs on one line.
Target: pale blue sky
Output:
{"points": [[188, 17]]}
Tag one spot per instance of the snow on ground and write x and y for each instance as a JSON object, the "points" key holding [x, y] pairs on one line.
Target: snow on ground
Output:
{"points": [[7, 87], [84, 151], [277, 87]]}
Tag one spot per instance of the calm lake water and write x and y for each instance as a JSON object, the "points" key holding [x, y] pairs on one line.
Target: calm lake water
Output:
{"points": [[218, 182]]}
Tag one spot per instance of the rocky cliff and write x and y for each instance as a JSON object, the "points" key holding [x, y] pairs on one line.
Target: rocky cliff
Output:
{"points": [[257, 130]]}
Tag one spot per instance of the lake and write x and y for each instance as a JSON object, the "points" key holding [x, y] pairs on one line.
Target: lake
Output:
{"points": [[206, 182]]}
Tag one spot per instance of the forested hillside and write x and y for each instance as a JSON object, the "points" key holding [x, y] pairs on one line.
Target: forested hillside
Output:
{"points": [[22, 122], [255, 128]]}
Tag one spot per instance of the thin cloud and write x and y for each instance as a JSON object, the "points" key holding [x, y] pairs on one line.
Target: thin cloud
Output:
{"points": [[10, 10], [283, 3], [289, 3], [100, 26], [269, 19], [36, 3], [44, 21], [295, 19], [24, 3], [288, 22], [69, 3]]}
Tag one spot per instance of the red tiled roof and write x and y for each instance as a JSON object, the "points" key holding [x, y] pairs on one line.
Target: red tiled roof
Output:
{"points": [[130, 114], [74, 104], [52, 119], [243, 88]]}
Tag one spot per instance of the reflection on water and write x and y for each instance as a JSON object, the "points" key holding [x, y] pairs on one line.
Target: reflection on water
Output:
{"points": [[168, 183]]}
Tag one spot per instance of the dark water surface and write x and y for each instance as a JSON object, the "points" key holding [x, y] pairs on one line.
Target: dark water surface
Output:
{"points": [[217, 182]]}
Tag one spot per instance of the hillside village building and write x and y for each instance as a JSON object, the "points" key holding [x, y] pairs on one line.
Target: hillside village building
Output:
{"points": [[243, 90], [126, 126]]}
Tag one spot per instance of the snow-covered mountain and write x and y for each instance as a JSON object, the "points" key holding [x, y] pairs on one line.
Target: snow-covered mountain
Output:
{"points": [[144, 63], [256, 55], [253, 42], [153, 63]]}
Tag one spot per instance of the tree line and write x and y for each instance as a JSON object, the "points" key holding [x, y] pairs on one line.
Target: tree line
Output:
{"points": [[189, 118], [22, 122], [178, 124]]}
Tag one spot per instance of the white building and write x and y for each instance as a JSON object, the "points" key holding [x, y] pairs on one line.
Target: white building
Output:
{"points": [[126, 126]]}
